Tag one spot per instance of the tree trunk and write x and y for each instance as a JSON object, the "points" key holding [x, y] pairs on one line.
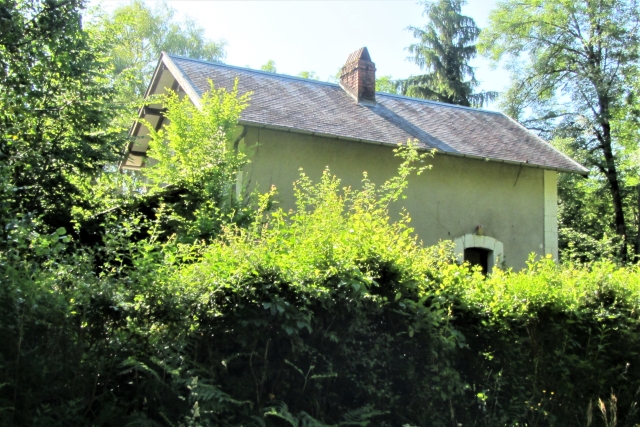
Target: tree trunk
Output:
{"points": [[614, 185], [637, 257]]}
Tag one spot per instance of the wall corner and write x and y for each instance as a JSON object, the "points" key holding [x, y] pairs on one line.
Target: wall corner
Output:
{"points": [[550, 213]]}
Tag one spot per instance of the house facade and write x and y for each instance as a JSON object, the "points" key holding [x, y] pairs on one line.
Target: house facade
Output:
{"points": [[492, 186]]}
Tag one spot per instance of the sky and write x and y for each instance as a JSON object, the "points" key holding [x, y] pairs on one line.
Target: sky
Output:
{"points": [[306, 35]]}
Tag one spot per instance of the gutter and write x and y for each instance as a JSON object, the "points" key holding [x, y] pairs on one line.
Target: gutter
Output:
{"points": [[245, 123], [236, 143]]}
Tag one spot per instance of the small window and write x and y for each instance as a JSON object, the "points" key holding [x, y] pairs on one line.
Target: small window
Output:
{"points": [[478, 256]]}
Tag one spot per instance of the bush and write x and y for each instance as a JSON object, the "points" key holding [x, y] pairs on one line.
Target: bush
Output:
{"points": [[325, 315]]}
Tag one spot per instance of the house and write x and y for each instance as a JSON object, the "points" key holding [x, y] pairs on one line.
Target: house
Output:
{"points": [[492, 187]]}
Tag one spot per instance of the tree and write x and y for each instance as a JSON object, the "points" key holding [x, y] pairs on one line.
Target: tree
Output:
{"points": [[197, 161], [445, 47], [308, 75], [572, 63], [55, 109], [138, 35], [270, 66], [386, 84]]}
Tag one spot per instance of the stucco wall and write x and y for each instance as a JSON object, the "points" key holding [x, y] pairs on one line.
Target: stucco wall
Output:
{"points": [[447, 202]]}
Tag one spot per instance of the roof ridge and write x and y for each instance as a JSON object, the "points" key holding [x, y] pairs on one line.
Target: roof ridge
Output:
{"points": [[253, 70]]}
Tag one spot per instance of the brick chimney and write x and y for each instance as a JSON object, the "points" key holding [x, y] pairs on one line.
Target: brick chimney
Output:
{"points": [[358, 77]]}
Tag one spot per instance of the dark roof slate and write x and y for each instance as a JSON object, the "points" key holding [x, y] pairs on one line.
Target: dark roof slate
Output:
{"points": [[311, 106]]}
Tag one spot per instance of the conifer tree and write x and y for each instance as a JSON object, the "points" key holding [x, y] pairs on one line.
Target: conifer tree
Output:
{"points": [[445, 47]]}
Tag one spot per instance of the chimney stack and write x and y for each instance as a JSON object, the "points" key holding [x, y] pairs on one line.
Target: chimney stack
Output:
{"points": [[358, 77]]}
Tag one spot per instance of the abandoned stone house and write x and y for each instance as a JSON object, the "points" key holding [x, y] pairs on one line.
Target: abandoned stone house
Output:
{"points": [[492, 186]]}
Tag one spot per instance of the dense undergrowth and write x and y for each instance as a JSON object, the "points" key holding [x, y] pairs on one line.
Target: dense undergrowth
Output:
{"points": [[325, 315]]}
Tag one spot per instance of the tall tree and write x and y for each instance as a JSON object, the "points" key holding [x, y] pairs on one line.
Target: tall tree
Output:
{"points": [[446, 46], [139, 34], [571, 63], [55, 109]]}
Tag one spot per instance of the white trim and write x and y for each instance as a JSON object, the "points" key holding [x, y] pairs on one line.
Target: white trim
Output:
{"points": [[550, 214], [495, 248], [184, 82]]}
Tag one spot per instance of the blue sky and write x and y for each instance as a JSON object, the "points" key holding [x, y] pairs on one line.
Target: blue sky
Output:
{"points": [[318, 36]]}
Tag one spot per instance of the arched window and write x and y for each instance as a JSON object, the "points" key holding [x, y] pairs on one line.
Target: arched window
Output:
{"points": [[479, 250]]}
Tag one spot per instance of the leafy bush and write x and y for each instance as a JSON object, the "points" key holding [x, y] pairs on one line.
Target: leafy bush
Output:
{"points": [[195, 154], [190, 177], [552, 340], [325, 315]]}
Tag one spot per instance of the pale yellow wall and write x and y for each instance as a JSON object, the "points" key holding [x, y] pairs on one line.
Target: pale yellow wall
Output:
{"points": [[446, 202]]}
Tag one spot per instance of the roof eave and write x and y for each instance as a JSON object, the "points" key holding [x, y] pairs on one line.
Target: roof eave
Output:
{"points": [[580, 169], [152, 84], [583, 171]]}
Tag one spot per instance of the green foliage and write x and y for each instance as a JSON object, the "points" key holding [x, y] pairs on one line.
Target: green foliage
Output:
{"points": [[55, 110], [555, 340], [138, 34], [357, 417], [584, 215], [445, 47], [197, 143], [195, 162], [270, 66], [326, 315], [189, 183], [345, 223], [386, 84], [309, 75]]}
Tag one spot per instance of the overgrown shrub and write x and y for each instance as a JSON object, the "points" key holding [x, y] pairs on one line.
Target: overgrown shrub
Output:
{"points": [[325, 315]]}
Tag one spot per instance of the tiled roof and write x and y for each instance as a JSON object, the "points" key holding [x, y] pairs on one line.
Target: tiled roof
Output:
{"points": [[361, 53], [309, 106]]}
